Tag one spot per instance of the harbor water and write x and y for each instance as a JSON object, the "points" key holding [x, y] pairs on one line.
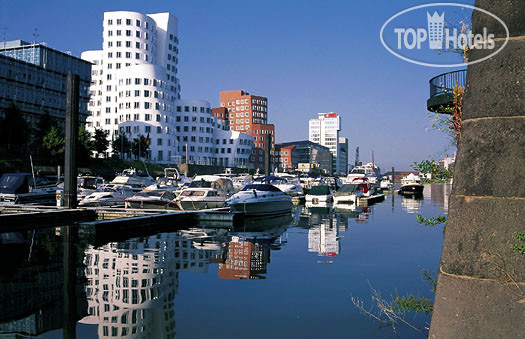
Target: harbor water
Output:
{"points": [[297, 276]]}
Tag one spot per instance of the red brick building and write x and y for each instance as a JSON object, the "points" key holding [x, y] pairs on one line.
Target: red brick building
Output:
{"points": [[248, 113], [286, 157]]}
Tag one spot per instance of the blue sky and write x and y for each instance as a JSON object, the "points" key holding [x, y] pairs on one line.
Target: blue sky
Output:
{"points": [[305, 56]]}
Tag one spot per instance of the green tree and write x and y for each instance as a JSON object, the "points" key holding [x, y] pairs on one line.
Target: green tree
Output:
{"points": [[141, 144], [431, 167], [85, 145], [54, 145], [100, 141], [14, 130], [43, 127], [121, 146]]}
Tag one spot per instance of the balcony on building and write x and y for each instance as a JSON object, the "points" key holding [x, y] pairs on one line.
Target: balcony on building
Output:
{"points": [[442, 88]]}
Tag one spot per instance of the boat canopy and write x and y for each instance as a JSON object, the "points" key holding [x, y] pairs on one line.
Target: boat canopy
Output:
{"points": [[347, 189], [319, 190], [270, 178], [18, 183], [261, 187]]}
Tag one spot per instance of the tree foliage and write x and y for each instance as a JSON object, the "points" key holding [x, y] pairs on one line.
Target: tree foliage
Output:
{"points": [[54, 145], [121, 146], [101, 142], [137, 144], [14, 130], [431, 167]]}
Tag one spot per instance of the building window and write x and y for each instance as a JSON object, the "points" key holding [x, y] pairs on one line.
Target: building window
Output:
{"points": [[110, 22]]}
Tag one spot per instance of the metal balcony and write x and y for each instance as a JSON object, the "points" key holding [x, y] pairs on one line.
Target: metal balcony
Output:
{"points": [[441, 90]]}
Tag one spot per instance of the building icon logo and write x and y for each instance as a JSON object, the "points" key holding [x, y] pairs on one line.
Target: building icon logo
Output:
{"points": [[435, 30], [409, 38]]}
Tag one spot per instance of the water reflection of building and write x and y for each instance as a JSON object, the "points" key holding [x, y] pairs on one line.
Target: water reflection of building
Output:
{"points": [[248, 252], [323, 234], [131, 285], [440, 194], [244, 260], [32, 285]]}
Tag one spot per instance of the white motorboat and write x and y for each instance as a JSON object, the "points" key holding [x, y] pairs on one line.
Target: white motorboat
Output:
{"points": [[241, 180], [369, 170], [288, 184], [320, 194], [411, 184], [153, 199], [385, 184], [87, 184], [108, 195], [260, 200], [26, 188], [348, 194], [205, 191], [133, 178]]}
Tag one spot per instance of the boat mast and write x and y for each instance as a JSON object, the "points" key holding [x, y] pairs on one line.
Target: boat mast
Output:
{"points": [[32, 170]]}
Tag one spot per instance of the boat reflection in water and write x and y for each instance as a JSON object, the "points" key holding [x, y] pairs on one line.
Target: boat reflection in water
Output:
{"points": [[411, 204]]}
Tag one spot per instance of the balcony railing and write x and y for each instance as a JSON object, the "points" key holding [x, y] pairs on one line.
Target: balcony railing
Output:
{"points": [[445, 83], [442, 88]]}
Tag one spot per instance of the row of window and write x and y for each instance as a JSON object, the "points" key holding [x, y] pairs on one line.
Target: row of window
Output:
{"points": [[245, 101], [129, 33]]}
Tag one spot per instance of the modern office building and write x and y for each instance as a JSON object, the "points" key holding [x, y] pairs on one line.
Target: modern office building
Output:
{"points": [[342, 156], [33, 76], [325, 131], [135, 78], [248, 114], [232, 148], [305, 156]]}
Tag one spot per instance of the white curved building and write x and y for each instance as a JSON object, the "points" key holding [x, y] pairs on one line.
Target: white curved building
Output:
{"points": [[134, 77]]}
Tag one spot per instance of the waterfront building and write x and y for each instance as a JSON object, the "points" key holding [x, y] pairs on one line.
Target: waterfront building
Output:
{"points": [[325, 131], [232, 148], [342, 156], [135, 79], [305, 156], [33, 77], [248, 113]]}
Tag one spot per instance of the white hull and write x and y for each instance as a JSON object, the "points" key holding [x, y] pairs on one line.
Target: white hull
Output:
{"points": [[318, 198]]}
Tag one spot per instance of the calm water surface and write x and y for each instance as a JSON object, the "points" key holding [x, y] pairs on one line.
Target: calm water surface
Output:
{"points": [[288, 277]]}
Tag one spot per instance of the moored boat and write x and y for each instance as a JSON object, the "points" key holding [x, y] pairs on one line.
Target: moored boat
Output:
{"points": [[26, 188], [320, 193], [260, 200], [205, 191], [348, 194], [411, 184], [135, 179], [108, 195], [156, 199]]}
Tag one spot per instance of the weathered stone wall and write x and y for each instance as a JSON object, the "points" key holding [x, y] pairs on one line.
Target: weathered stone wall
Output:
{"points": [[481, 285]]}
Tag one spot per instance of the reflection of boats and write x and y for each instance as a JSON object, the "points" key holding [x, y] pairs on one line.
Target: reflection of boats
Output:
{"points": [[411, 203], [205, 191], [260, 200], [411, 184], [288, 184], [157, 199], [107, 195], [319, 193], [133, 178], [24, 188]]}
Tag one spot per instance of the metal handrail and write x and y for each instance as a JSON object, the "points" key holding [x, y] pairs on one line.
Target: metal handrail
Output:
{"points": [[445, 83]]}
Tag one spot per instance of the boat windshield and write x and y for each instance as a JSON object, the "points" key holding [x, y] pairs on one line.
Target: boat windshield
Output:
{"points": [[201, 184], [319, 190], [348, 188], [192, 193], [106, 189], [261, 187], [358, 171], [149, 194], [87, 182]]}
